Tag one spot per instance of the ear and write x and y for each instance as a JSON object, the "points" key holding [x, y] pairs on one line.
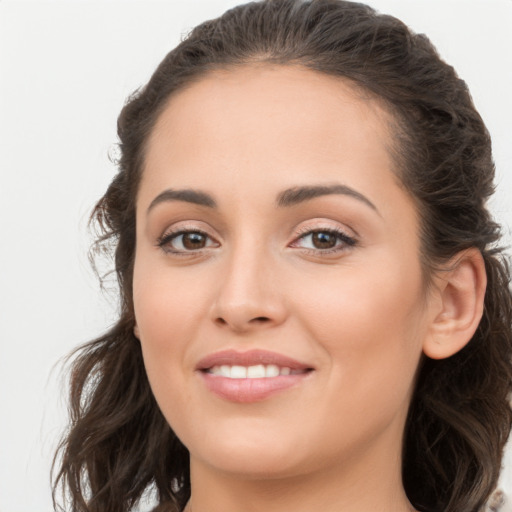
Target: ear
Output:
{"points": [[136, 331], [460, 289]]}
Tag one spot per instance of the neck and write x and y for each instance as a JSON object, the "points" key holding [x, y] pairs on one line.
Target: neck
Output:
{"points": [[361, 486]]}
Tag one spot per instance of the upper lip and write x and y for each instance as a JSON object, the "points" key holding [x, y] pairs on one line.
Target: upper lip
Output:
{"points": [[250, 358]]}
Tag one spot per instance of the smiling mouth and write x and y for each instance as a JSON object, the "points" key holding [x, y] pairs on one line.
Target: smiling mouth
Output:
{"points": [[254, 363], [251, 376], [259, 371]]}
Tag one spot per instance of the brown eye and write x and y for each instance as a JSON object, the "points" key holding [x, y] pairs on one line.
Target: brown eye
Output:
{"points": [[186, 242], [324, 239], [193, 241]]}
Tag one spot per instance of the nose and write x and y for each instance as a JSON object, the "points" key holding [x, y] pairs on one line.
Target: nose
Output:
{"points": [[250, 296]]}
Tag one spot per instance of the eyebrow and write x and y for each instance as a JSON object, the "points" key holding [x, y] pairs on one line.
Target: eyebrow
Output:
{"points": [[297, 195], [287, 198], [186, 195]]}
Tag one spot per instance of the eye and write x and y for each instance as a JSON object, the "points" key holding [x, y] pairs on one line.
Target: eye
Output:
{"points": [[186, 241], [324, 240]]}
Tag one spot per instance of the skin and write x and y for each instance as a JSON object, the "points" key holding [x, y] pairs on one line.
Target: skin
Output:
{"points": [[360, 315]]}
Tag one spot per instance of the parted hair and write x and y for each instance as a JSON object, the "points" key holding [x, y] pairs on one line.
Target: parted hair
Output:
{"points": [[119, 447]]}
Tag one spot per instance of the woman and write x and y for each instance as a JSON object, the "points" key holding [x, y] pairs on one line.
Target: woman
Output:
{"points": [[315, 314]]}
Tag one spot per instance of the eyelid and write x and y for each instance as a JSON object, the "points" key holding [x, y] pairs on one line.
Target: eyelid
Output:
{"points": [[186, 226], [341, 234], [343, 243], [318, 226]]}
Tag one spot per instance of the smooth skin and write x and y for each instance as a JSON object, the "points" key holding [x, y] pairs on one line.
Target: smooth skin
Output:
{"points": [[333, 280]]}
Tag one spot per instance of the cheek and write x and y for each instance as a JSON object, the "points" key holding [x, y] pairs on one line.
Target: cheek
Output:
{"points": [[370, 323], [164, 320], [166, 307], [371, 336], [166, 303]]}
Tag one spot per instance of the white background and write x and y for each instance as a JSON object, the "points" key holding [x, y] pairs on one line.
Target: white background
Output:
{"points": [[66, 68]]}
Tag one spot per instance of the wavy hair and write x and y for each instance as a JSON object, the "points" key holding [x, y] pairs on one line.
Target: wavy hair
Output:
{"points": [[119, 446]]}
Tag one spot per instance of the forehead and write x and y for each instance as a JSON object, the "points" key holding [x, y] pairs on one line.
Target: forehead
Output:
{"points": [[272, 123]]}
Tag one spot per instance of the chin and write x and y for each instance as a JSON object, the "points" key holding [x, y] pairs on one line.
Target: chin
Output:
{"points": [[251, 457]]}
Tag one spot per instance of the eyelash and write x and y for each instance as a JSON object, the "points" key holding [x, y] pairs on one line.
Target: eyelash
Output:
{"points": [[346, 240], [164, 242]]}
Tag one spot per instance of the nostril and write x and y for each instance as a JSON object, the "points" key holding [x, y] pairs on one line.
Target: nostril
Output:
{"points": [[260, 319], [242, 323]]}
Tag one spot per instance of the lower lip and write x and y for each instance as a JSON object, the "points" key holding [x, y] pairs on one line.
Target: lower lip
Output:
{"points": [[250, 390]]}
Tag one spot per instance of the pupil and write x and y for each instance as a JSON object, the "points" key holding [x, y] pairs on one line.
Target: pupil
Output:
{"points": [[324, 240], [193, 241]]}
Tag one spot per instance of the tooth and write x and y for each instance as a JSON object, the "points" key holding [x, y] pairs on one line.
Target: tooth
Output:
{"points": [[225, 370], [215, 370], [238, 372], [271, 370], [256, 372]]}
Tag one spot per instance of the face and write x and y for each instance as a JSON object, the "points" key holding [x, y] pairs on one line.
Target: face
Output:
{"points": [[278, 290]]}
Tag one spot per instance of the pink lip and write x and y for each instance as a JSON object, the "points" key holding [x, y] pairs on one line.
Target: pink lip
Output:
{"points": [[250, 358], [250, 390]]}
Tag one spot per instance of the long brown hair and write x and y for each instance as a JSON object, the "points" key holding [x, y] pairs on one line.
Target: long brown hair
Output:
{"points": [[119, 446]]}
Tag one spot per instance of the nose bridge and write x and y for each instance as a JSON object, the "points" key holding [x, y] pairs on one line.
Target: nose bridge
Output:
{"points": [[247, 294]]}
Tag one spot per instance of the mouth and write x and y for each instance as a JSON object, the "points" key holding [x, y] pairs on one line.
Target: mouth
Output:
{"points": [[259, 371], [252, 362], [251, 376]]}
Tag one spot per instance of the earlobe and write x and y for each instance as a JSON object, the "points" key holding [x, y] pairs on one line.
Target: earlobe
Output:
{"points": [[136, 331], [461, 291]]}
